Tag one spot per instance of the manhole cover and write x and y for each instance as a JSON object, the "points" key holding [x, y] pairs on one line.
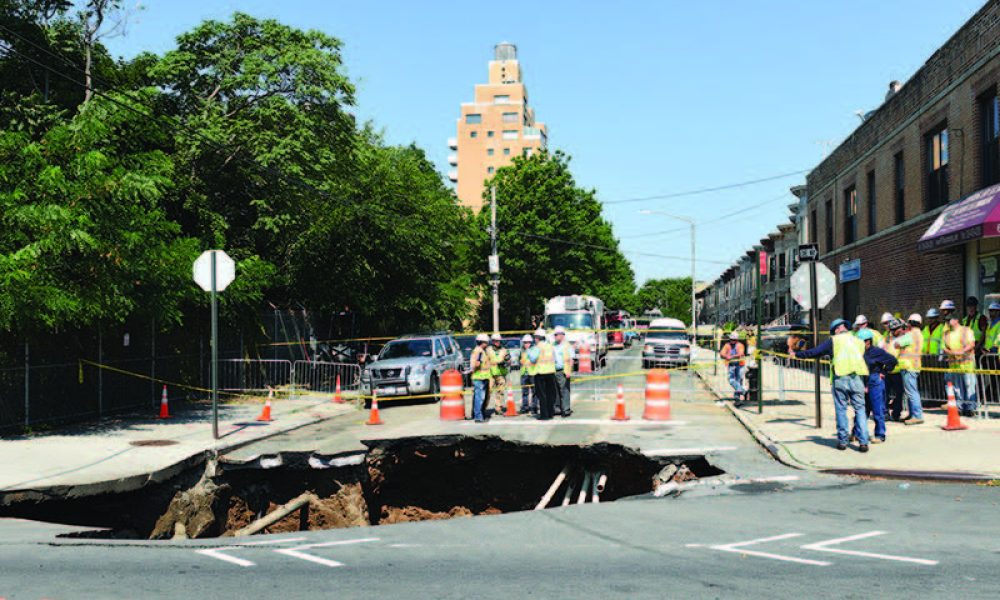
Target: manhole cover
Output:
{"points": [[153, 443]]}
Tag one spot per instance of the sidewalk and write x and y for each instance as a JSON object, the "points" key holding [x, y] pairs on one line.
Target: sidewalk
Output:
{"points": [[103, 456], [787, 429]]}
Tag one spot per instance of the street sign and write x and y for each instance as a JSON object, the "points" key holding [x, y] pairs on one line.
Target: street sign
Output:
{"points": [[850, 270], [808, 252], [826, 286], [225, 270]]}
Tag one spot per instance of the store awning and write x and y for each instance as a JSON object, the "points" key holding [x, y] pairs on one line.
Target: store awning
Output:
{"points": [[974, 217]]}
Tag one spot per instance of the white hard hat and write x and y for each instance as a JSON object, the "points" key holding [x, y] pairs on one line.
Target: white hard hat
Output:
{"points": [[539, 333], [947, 305], [527, 338], [886, 317], [861, 320], [496, 337], [916, 318], [559, 330], [932, 312], [482, 337], [994, 306]]}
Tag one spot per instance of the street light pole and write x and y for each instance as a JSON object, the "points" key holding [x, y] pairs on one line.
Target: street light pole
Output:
{"points": [[494, 262], [691, 222]]}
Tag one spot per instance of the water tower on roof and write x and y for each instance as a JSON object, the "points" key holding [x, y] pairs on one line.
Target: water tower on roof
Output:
{"points": [[505, 51]]}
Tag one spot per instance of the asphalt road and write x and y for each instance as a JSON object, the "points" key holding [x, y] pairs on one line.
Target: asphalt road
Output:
{"points": [[773, 532]]}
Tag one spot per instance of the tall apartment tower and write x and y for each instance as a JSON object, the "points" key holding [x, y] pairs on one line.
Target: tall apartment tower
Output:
{"points": [[494, 128]]}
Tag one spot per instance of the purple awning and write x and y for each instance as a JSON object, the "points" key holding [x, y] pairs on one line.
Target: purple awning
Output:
{"points": [[976, 216]]}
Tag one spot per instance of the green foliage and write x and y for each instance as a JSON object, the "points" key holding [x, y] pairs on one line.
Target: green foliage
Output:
{"points": [[671, 296], [538, 204]]}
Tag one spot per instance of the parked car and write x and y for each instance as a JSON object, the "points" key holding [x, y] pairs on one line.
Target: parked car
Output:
{"points": [[412, 365], [667, 344], [617, 323]]}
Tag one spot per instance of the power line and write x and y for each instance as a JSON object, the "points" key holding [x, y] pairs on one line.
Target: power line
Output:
{"points": [[720, 188], [612, 248]]}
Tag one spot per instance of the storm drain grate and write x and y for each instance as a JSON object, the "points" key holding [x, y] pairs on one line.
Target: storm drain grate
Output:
{"points": [[143, 443]]}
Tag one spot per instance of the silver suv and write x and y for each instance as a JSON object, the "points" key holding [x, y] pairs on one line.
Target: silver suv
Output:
{"points": [[412, 365]]}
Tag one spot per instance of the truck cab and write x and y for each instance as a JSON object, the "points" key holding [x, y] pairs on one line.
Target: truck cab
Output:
{"points": [[583, 319]]}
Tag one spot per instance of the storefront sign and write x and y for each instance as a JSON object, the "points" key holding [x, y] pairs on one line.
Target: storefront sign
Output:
{"points": [[977, 216]]}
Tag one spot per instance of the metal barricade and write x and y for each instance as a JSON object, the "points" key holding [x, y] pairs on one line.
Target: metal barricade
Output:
{"points": [[254, 374], [989, 383], [931, 384], [321, 377]]}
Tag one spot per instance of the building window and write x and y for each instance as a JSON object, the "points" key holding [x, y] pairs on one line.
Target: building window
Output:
{"points": [[489, 134], [989, 108], [473, 119], [510, 117], [781, 267], [490, 170], [850, 215], [473, 134], [813, 236], [899, 186], [829, 225], [510, 134], [872, 204], [501, 99], [506, 151], [936, 149], [489, 152], [528, 152]]}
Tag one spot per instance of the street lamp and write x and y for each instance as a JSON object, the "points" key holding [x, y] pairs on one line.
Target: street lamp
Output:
{"points": [[689, 221]]}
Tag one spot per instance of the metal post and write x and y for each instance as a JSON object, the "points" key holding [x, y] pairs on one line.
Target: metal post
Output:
{"points": [[215, 356], [27, 385], [100, 373], [814, 318], [715, 334], [759, 358], [493, 251], [694, 314], [152, 357]]}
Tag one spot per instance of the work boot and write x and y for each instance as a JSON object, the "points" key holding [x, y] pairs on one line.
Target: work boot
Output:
{"points": [[841, 446], [912, 421], [863, 448], [876, 440]]}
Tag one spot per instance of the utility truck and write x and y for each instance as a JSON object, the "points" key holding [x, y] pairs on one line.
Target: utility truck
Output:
{"points": [[583, 319]]}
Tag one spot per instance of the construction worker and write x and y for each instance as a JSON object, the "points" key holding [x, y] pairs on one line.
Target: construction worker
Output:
{"points": [[529, 401], [989, 360], [976, 322], [734, 353], [879, 362], [886, 331], [931, 333], [849, 373], [992, 340], [910, 345], [894, 378], [959, 347], [542, 356], [481, 375], [564, 369], [499, 359], [861, 324]]}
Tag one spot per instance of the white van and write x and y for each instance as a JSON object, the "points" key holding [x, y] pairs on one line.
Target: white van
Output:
{"points": [[666, 344]]}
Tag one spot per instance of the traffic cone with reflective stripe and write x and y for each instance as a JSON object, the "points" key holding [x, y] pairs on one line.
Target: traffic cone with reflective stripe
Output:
{"points": [[954, 421], [336, 394], [511, 408], [620, 406], [164, 405], [452, 400], [657, 396], [373, 416], [265, 415]]}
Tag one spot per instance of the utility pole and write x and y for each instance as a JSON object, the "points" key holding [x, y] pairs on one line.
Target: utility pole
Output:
{"points": [[694, 315], [814, 322], [494, 260], [759, 357]]}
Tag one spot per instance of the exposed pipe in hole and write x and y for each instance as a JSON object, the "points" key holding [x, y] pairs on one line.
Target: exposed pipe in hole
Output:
{"points": [[277, 514], [568, 495], [602, 481], [584, 487], [552, 489], [595, 496]]}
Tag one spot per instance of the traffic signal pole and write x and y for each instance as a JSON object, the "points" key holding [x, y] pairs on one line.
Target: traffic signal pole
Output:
{"points": [[759, 357], [814, 321]]}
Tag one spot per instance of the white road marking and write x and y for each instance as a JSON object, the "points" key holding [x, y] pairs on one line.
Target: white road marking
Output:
{"points": [[739, 548], [556, 421], [217, 553], [673, 451], [296, 552], [824, 547]]}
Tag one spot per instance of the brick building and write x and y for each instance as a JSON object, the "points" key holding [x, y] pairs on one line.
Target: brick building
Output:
{"points": [[905, 173]]}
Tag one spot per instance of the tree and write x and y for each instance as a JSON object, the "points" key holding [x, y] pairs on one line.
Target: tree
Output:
{"points": [[671, 296], [552, 241]]}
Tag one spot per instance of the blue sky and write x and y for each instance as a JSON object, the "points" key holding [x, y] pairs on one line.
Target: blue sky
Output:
{"points": [[648, 97]]}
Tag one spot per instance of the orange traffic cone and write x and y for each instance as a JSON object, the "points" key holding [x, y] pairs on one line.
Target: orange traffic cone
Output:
{"points": [[620, 406], [585, 366], [265, 415], [511, 409], [657, 395], [452, 402], [373, 416], [164, 405], [336, 393], [954, 421]]}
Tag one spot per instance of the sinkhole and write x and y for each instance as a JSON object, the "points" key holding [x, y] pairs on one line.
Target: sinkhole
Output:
{"points": [[394, 481]]}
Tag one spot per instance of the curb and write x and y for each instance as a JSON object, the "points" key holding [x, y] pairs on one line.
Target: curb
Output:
{"points": [[135, 482], [784, 457]]}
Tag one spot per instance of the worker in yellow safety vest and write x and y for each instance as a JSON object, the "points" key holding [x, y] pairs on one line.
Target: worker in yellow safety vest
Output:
{"points": [[849, 373], [529, 401], [894, 379], [976, 322], [481, 375], [931, 333], [499, 357], [992, 340], [543, 357], [960, 350], [861, 322]]}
